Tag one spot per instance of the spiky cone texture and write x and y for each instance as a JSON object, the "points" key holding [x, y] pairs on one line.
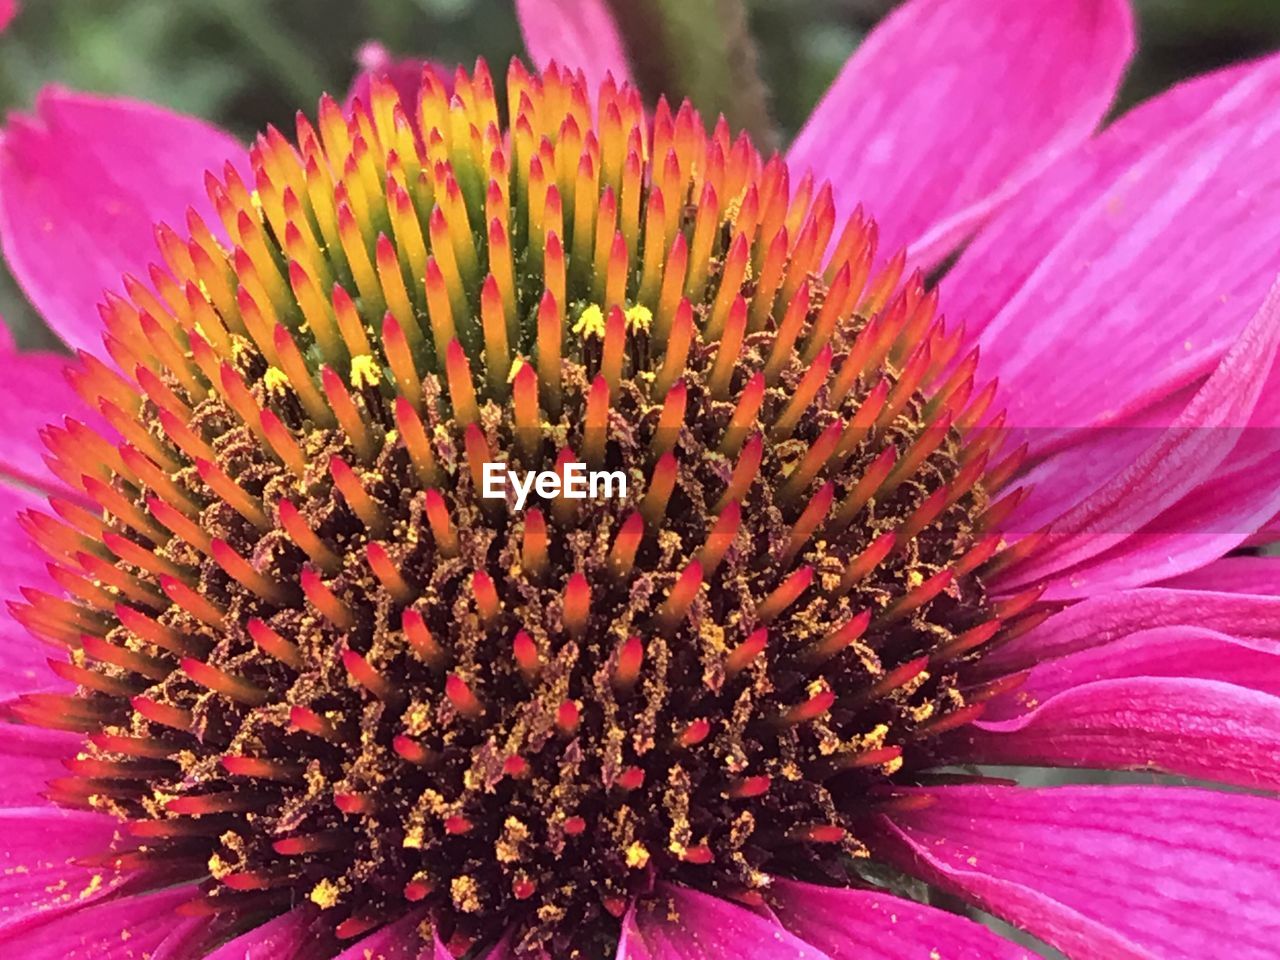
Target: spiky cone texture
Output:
{"points": [[314, 663]]}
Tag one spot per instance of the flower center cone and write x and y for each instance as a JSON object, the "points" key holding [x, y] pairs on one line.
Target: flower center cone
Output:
{"points": [[314, 662]]}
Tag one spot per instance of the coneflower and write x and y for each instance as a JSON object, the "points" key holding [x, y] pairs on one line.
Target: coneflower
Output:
{"points": [[314, 661]]}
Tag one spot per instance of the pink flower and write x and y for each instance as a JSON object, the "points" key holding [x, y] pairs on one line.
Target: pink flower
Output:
{"points": [[1118, 289]]}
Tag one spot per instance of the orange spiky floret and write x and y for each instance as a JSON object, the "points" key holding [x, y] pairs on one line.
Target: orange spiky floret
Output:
{"points": [[298, 619]]}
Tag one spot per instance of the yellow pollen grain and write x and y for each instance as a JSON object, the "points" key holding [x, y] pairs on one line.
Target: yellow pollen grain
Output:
{"points": [[923, 712], [365, 372], [218, 867], [915, 578], [413, 838], [514, 833], [915, 684], [638, 317], [324, 894], [590, 323], [637, 855], [417, 719], [95, 884], [275, 380], [256, 199], [516, 365], [465, 897]]}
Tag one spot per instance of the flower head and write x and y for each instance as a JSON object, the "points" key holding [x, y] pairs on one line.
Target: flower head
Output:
{"points": [[315, 658]]}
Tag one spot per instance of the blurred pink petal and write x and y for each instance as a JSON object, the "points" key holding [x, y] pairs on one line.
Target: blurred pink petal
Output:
{"points": [[683, 924], [39, 877], [124, 929], [8, 10], [879, 926], [405, 74], [950, 105], [1108, 872], [1153, 237], [578, 34], [82, 185]]}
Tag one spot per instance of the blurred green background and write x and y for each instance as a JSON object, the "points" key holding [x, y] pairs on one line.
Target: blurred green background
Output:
{"points": [[246, 63]]}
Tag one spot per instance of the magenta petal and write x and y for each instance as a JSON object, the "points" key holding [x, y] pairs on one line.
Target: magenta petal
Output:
{"points": [[395, 941], [1178, 461], [1154, 237], [578, 34], [82, 185], [1195, 728], [30, 757], [282, 938], [1111, 616], [1252, 575], [1182, 651], [1267, 534], [1076, 463], [683, 924], [22, 564], [39, 878], [1005, 255], [8, 9], [1182, 700], [950, 105], [1103, 873], [1206, 523], [34, 392], [869, 924], [499, 951], [127, 928], [188, 937]]}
